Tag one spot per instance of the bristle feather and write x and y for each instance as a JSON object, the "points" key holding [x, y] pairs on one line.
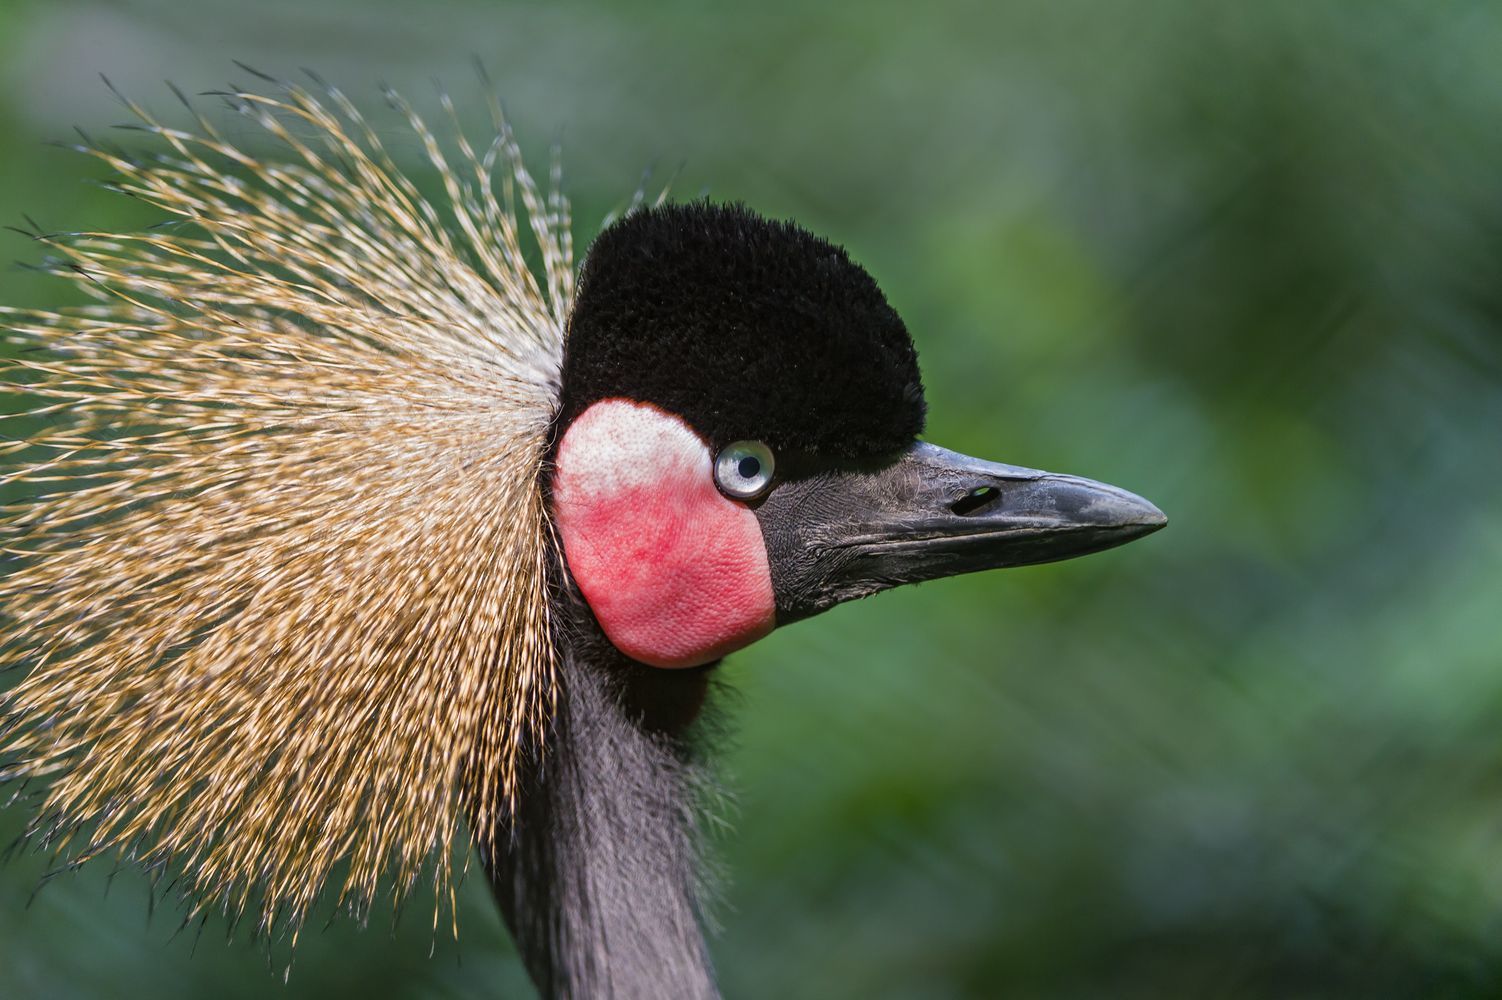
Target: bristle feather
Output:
{"points": [[283, 550]]}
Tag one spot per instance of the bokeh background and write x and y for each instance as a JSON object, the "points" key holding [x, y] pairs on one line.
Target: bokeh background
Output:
{"points": [[1243, 258]]}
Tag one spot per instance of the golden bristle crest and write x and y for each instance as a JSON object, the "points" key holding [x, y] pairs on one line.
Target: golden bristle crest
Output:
{"points": [[279, 557]]}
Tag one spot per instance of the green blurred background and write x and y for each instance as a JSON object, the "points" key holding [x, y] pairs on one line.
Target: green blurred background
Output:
{"points": [[1243, 258]]}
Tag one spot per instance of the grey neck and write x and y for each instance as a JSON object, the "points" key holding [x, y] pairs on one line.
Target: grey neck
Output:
{"points": [[600, 881]]}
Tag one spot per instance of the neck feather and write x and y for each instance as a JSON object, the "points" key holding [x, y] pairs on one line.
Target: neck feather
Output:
{"points": [[600, 879]]}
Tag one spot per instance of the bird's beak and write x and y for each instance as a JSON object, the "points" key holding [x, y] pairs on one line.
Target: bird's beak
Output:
{"points": [[837, 534]]}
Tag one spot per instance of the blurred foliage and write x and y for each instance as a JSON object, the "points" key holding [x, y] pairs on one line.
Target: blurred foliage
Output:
{"points": [[1241, 258]]}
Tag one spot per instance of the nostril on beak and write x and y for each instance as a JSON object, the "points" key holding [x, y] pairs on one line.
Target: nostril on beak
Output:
{"points": [[977, 499]]}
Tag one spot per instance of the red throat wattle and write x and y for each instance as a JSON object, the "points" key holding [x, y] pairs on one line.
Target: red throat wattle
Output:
{"points": [[675, 572]]}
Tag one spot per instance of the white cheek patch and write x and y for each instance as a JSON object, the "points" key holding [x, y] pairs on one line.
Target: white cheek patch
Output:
{"points": [[618, 446], [675, 573]]}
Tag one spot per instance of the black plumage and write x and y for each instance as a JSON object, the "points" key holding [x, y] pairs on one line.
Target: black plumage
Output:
{"points": [[746, 328]]}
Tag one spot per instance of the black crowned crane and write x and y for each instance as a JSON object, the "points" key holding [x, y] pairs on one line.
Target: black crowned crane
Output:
{"points": [[347, 525]]}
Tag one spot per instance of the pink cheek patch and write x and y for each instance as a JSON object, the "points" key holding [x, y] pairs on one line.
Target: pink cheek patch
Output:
{"points": [[675, 572]]}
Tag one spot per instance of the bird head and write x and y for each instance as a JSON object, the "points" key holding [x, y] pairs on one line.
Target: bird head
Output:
{"points": [[316, 493], [737, 444]]}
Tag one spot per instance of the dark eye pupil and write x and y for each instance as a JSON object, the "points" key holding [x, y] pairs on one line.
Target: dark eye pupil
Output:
{"points": [[748, 467]]}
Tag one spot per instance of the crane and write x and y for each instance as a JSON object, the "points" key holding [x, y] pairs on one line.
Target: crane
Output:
{"points": [[354, 527]]}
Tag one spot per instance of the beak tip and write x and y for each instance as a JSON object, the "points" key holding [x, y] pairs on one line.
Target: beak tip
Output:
{"points": [[1145, 517]]}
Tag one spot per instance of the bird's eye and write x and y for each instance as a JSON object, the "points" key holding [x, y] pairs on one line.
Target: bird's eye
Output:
{"points": [[744, 469]]}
